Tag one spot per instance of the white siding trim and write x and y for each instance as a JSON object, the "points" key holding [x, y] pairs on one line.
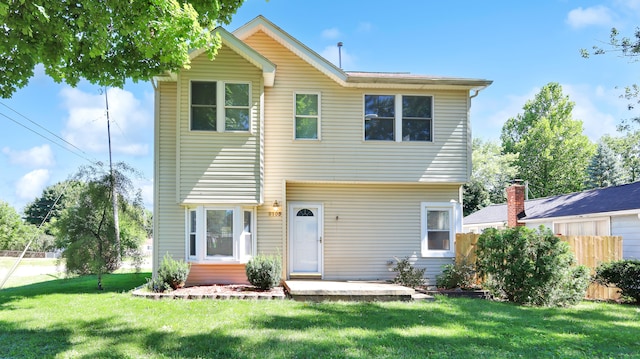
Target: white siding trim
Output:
{"points": [[455, 222], [319, 129]]}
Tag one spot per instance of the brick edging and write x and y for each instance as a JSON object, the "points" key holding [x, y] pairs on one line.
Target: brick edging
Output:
{"points": [[141, 293]]}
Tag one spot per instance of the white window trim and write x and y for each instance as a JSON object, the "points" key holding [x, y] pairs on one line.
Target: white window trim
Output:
{"points": [[455, 218], [221, 107], [295, 115], [238, 235], [397, 120]]}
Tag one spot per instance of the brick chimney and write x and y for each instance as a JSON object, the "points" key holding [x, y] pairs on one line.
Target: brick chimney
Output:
{"points": [[515, 204]]}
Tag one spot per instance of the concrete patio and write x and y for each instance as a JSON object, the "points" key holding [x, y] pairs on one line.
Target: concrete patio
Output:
{"points": [[321, 290]]}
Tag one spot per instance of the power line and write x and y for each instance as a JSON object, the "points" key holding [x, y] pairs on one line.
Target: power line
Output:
{"points": [[50, 140], [42, 127]]}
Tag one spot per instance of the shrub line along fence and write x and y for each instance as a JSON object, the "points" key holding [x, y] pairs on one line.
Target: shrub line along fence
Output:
{"points": [[589, 251]]}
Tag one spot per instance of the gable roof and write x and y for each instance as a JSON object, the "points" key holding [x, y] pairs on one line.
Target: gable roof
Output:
{"points": [[609, 200], [354, 78], [248, 53]]}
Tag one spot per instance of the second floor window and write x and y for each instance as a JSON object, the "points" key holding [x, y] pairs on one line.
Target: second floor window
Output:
{"points": [[220, 106], [398, 118], [307, 117]]}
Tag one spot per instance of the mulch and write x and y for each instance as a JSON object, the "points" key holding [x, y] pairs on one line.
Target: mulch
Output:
{"points": [[217, 291]]}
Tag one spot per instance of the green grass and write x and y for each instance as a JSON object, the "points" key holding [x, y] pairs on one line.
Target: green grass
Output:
{"points": [[70, 318]]}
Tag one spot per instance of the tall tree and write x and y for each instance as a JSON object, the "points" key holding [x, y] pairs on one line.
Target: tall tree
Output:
{"points": [[626, 47], [50, 203], [15, 233], [85, 227], [105, 42], [627, 148], [604, 168], [491, 173], [553, 151]]}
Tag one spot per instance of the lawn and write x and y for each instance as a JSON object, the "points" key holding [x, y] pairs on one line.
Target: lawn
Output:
{"points": [[69, 318]]}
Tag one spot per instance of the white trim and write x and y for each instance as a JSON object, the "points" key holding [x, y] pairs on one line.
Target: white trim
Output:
{"points": [[398, 116], [583, 216], [359, 80], [455, 222], [260, 23], [238, 230], [290, 209], [238, 46], [319, 116], [221, 107]]}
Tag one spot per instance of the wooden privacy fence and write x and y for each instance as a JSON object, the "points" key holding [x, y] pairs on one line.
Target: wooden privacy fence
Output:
{"points": [[589, 251]]}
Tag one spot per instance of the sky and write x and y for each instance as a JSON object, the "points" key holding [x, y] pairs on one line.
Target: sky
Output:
{"points": [[49, 130]]}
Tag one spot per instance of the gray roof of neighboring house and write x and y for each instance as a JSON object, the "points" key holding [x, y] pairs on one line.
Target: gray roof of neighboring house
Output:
{"points": [[602, 200]]}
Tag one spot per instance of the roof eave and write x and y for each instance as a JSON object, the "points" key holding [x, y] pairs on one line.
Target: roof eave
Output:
{"points": [[420, 82], [260, 23], [228, 39]]}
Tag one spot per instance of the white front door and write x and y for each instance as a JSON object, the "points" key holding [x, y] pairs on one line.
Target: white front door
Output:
{"points": [[305, 237]]}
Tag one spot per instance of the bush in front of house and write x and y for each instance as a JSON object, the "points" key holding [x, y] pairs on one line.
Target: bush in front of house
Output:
{"points": [[459, 275], [624, 274], [530, 267], [172, 274], [408, 275], [264, 271]]}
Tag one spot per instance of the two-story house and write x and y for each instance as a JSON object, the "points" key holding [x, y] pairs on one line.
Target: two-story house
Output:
{"points": [[270, 148]]}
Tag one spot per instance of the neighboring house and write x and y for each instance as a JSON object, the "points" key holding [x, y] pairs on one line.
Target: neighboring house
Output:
{"points": [[611, 211], [270, 148]]}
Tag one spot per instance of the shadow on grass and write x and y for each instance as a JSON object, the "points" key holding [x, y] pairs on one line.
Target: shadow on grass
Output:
{"points": [[196, 329], [16, 342], [120, 282]]}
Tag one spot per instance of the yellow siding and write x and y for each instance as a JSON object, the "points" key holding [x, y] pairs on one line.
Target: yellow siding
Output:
{"points": [[218, 167], [365, 226], [168, 215], [378, 218], [342, 154]]}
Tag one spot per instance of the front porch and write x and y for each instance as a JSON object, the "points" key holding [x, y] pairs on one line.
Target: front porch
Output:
{"points": [[321, 290]]}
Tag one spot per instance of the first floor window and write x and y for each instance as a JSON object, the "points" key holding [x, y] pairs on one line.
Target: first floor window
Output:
{"points": [[440, 222], [192, 233], [220, 233]]}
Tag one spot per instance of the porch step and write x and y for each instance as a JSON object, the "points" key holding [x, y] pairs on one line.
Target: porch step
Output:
{"points": [[320, 290], [306, 276]]}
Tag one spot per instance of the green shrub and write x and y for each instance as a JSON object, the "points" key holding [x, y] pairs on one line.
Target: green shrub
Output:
{"points": [[624, 274], [408, 275], [172, 272], [462, 275], [264, 271], [531, 267], [157, 285]]}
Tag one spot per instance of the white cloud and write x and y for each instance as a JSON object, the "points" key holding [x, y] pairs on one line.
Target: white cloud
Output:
{"points": [[39, 156], [598, 109], [31, 185], [331, 53], [589, 102], [630, 4], [86, 125], [596, 15], [332, 33]]}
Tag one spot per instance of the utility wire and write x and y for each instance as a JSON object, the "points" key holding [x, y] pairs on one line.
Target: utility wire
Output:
{"points": [[44, 220], [44, 128], [52, 140]]}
